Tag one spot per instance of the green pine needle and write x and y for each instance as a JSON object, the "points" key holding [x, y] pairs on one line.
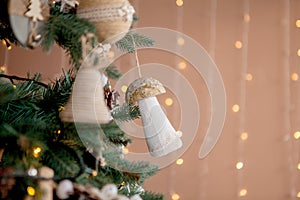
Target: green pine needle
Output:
{"points": [[126, 112], [126, 44], [66, 30], [112, 72], [115, 134]]}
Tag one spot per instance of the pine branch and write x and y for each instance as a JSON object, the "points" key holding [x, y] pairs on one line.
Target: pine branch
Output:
{"points": [[57, 95], [64, 163], [112, 72], [151, 196], [66, 29], [115, 134], [131, 172], [126, 44], [126, 112], [12, 78], [20, 100]]}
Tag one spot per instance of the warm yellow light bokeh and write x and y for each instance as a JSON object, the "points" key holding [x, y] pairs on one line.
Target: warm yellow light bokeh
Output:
{"points": [[175, 197], [239, 165], [247, 18], [294, 76], [243, 192], [37, 151], [249, 77], [181, 65], [297, 135], [180, 41], [244, 136], [298, 23], [235, 108], [179, 161], [126, 150], [238, 44], [30, 191], [94, 173], [179, 2], [124, 88], [169, 101]]}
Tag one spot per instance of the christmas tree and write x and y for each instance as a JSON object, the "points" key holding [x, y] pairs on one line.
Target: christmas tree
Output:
{"points": [[43, 156]]}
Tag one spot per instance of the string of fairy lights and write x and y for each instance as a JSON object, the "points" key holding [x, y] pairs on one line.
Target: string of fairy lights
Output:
{"points": [[292, 133], [242, 45], [294, 77], [181, 65], [287, 95], [292, 159], [203, 172]]}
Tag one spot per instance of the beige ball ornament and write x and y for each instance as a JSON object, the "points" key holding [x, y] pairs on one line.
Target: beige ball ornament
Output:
{"points": [[112, 18]]}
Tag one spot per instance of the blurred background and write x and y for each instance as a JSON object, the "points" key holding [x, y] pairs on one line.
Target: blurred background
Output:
{"points": [[256, 46]]}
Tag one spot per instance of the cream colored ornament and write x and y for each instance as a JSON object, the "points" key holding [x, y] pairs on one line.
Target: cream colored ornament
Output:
{"points": [[109, 191], [161, 137], [46, 186], [112, 18], [27, 19], [136, 197], [86, 103], [64, 189]]}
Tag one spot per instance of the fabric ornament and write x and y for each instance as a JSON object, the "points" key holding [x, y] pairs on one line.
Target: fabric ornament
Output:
{"points": [[86, 103]]}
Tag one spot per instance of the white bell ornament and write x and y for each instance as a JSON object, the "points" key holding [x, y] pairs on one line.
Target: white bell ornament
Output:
{"points": [[161, 136]]}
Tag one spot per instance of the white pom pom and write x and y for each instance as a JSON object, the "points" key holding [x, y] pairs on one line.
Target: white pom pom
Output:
{"points": [[109, 191], [122, 197], [136, 197], [64, 189]]}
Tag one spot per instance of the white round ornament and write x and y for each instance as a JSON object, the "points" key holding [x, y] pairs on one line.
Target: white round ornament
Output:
{"points": [[109, 191], [64, 189], [136, 197], [122, 197]]}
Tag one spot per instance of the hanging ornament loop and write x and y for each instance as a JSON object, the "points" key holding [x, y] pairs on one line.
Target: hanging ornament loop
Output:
{"points": [[136, 56]]}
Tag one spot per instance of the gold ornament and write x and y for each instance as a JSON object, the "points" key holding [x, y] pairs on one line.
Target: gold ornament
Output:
{"points": [[142, 88]]}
